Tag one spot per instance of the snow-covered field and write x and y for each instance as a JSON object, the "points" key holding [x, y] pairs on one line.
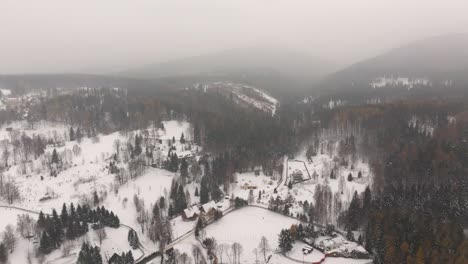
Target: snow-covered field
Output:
{"points": [[247, 226]]}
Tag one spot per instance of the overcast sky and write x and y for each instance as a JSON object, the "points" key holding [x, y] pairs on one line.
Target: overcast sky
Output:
{"points": [[110, 35]]}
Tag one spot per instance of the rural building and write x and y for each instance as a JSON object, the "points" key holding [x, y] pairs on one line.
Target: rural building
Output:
{"points": [[248, 186], [191, 213], [297, 175], [206, 208]]}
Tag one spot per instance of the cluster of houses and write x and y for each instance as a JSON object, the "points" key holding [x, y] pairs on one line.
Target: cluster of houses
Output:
{"points": [[208, 209]]}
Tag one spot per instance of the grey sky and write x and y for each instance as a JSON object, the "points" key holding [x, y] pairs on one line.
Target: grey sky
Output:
{"points": [[110, 35]]}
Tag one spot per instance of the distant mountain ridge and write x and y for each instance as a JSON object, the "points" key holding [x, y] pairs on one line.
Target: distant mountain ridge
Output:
{"points": [[280, 71], [257, 59], [437, 58]]}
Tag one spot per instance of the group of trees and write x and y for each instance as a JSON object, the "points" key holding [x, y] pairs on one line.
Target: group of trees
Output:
{"points": [[288, 236], [8, 189], [159, 225], [89, 255], [21, 149], [125, 258], [395, 236], [71, 224], [179, 199], [133, 239]]}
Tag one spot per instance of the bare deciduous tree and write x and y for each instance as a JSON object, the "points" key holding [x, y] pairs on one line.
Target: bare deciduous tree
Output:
{"points": [[26, 225], [9, 238], [264, 247], [101, 234], [236, 252]]}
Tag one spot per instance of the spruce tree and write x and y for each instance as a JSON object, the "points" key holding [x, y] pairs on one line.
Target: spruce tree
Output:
{"points": [[72, 134], [78, 134], [64, 215], [3, 254], [285, 240], [353, 213], [55, 159], [95, 198], [204, 195], [45, 246], [129, 258], [41, 222]]}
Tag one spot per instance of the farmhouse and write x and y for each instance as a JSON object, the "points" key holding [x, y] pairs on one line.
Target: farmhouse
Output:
{"points": [[206, 208], [191, 213], [297, 175], [248, 186], [184, 154]]}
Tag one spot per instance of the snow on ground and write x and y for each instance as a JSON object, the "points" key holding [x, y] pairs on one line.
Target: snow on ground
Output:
{"points": [[175, 128], [46, 129], [255, 97], [297, 254], [9, 216], [116, 242], [297, 167], [243, 95], [153, 184], [347, 261], [319, 168], [181, 227], [246, 226], [5, 92], [338, 244], [249, 179], [87, 173]]}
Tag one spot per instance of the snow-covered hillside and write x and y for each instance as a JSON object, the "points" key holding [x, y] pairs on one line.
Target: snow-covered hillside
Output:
{"points": [[83, 172], [244, 95]]}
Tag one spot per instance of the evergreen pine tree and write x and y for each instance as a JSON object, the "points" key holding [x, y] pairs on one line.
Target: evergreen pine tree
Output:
{"points": [[55, 159], [196, 192], [196, 134], [72, 134], [41, 222], [95, 198], [129, 258], [45, 244], [3, 254], [204, 195], [64, 215], [78, 134], [353, 213], [285, 240]]}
